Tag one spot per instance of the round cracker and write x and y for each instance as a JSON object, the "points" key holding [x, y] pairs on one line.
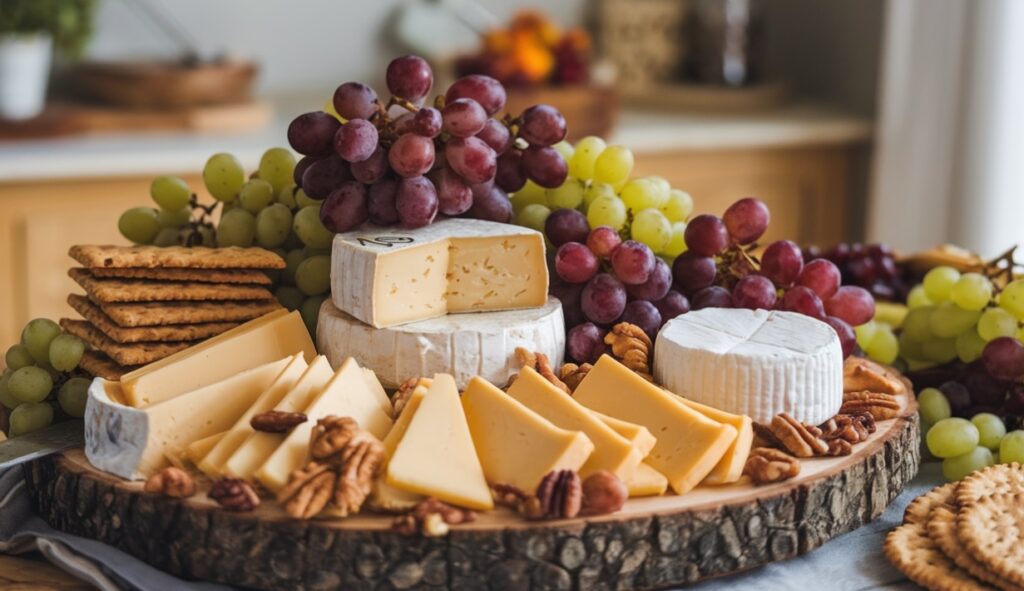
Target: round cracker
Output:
{"points": [[910, 550], [995, 479], [942, 531], [919, 509], [991, 529]]}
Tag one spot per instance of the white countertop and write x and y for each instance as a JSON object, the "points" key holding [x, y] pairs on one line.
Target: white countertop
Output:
{"points": [[137, 154]]}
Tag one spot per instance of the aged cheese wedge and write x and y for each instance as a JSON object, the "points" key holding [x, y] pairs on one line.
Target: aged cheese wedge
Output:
{"points": [[385, 496], [436, 456], [689, 444], [638, 435], [646, 482], [133, 443], [612, 452], [259, 445], [390, 276], [198, 449], [212, 463], [376, 388], [346, 395], [730, 468], [516, 445], [268, 338]]}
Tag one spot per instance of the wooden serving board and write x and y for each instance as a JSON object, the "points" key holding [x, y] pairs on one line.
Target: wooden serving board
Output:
{"points": [[652, 543]]}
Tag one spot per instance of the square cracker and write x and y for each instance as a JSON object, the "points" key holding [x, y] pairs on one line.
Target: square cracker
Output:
{"points": [[134, 354], [142, 290], [181, 257], [245, 276], [169, 332], [164, 313], [98, 365]]}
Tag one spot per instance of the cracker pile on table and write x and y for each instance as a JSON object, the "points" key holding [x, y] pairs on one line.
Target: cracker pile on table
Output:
{"points": [[144, 303], [965, 535]]}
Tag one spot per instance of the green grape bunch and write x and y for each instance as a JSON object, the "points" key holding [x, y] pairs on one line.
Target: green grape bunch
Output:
{"points": [[42, 381]]}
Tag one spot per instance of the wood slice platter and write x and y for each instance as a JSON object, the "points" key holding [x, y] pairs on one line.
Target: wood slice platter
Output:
{"points": [[652, 543]]}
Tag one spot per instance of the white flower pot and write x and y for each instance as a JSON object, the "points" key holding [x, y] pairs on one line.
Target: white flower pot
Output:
{"points": [[24, 73]]}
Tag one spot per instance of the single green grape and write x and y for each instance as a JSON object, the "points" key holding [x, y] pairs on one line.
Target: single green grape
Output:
{"points": [[313, 276], [286, 196], [310, 229], [289, 297], [917, 326], [30, 384], [223, 176], [1011, 447], [910, 349], [255, 195], [607, 211], [956, 468], [139, 224], [276, 166], [884, 347], [939, 281], [581, 165], [567, 196], [530, 193], [6, 398], [170, 192], [18, 357], [236, 228], [66, 351], [291, 263], [969, 345], [939, 350], [995, 323], [310, 311], [613, 165], [917, 298], [1011, 298], [640, 194], [167, 237], [175, 219], [949, 320], [304, 200], [533, 216], [973, 291], [678, 206], [565, 149], [596, 190], [677, 243], [37, 336], [73, 395], [865, 332], [990, 429], [652, 228], [661, 185], [952, 437], [30, 416], [273, 224], [933, 406]]}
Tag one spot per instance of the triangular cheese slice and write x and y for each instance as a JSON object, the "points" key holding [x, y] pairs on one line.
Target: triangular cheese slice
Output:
{"points": [[197, 450], [384, 496], [436, 457], [730, 468], [646, 482], [638, 435]]}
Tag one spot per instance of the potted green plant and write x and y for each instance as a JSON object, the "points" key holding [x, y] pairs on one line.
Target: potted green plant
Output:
{"points": [[30, 31]]}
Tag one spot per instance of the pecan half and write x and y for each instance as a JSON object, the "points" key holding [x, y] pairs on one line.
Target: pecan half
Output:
{"points": [[542, 364], [560, 494], [853, 428], [881, 406], [765, 465], [330, 436], [308, 491], [431, 517], [603, 493], [799, 439], [171, 482], [763, 436], [277, 421], [573, 374], [632, 347], [863, 374], [507, 495], [234, 494], [839, 447]]}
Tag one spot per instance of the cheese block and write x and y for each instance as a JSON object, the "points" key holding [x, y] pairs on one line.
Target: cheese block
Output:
{"points": [[638, 435], [133, 443], [198, 449], [730, 467], [612, 452], [385, 497], [463, 345], [646, 482], [689, 444], [436, 456], [390, 276], [212, 463], [268, 338], [346, 395], [259, 445], [516, 445], [757, 363]]}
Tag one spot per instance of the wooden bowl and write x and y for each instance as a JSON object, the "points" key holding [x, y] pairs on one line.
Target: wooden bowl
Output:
{"points": [[588, 110], [165, 85]]}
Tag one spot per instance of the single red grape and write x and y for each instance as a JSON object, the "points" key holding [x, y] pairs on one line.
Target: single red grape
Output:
{"points": [[372, 169], [754, 292], [542, 125], [492, 205], [345, 207], [746, 220], [575, 263], [847, 338], [657, 285], [354, 100], [706, 235], [672, 305], [312, 134], [471, 158], [544, 166], [483, 89], [603, 299], [453, 194], [712, 297], [1004, 358], [463, 117], [566, 225], [496, 135], [603, 240], [693, 272], [509, 175], [852, 304], [803, 300], [645, 315], [416, 201], [380, 202], [356, 140], [822, 276], [633, 262], [411, 155], [782, 262], [427, 122], [324, 176], [585, 343], [409, 77]]}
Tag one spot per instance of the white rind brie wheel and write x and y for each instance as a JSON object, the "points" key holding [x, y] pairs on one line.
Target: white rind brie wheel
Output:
{"points": [[754, 362]]}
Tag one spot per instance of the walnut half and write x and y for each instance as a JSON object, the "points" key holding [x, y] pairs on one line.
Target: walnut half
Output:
{"points": [[765, 465]]}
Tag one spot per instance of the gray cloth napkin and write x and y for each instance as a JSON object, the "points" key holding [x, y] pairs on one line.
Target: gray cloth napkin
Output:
{"points": [[851, 562]]}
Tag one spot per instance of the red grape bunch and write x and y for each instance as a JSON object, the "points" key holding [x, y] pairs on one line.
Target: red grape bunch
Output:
{"points": [[404, 162], [871, 266]]}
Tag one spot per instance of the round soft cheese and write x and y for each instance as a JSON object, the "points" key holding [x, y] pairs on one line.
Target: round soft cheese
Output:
{"points": [[754, 362], [463, 345]]}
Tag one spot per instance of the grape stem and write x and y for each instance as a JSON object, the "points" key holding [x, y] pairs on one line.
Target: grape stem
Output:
{"points": [[1000, 269], [401, 102]]}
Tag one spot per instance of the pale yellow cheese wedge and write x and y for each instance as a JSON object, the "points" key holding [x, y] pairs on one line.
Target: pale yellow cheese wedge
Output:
{"points": [[436, 456], [384, 496], [346, 395], [378, 391], [259, 445], [730, 468], [198, 449], [212, 464], [646, 482], [638, 435], [612, 452], [516, 445], [689, 444]]}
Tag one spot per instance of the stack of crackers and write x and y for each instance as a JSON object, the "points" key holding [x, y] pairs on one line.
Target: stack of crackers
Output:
{"points": [[144, 303], [965, 535]]}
